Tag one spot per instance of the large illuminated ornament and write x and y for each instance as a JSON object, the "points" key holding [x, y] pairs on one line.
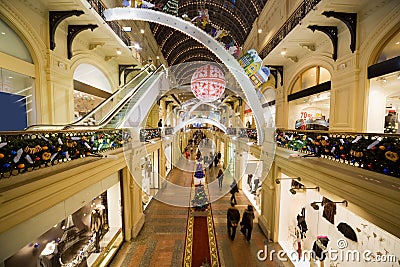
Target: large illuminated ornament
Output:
{"points": [[208, 83]]}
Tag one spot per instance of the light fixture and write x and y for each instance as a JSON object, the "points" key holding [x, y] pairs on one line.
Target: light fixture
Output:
{"points": [[315, 205], [259, 31], [118, 52], [137, 46], [278, 180], [396, 42], [142, 31], [293, 190], [158, 57], [127, 29], [3, 33], [284, 51]]}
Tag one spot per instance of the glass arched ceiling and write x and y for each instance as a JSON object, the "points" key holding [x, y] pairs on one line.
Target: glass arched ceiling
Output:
{"points": [[236, 17]]}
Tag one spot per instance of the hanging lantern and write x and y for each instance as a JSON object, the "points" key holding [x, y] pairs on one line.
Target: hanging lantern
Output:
{"points": [[208, 83]]}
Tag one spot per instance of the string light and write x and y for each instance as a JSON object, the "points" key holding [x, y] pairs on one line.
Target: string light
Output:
{"points": [[219, 6], [196, 56], [176, 45], [184, 51]]}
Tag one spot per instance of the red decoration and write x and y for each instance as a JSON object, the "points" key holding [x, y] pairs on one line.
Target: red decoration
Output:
{"points": [[208, 83]]}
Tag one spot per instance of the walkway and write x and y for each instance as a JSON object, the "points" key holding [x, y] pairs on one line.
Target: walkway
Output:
{"points": [[161, 241]]}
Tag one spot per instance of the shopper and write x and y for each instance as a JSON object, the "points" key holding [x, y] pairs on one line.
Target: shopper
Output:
{"points": [[247, 222], [220, 177], [233, 218], [160, 123], [234, 190]]}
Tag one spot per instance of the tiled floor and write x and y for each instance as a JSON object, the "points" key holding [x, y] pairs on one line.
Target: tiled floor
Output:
{"points": [[161, 241]]}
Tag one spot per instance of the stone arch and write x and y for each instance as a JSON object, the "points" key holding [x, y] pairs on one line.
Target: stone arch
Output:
{"points": [[313, 61], [201, 36], [37, 49], [377, 40], [87, 58]]}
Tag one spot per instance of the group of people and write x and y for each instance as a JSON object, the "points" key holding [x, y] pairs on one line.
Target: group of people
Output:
{"points": [[246, 224], [233, 215]]}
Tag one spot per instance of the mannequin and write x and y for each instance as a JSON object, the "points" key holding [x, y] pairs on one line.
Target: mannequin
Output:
{"points": [[96, 226]]}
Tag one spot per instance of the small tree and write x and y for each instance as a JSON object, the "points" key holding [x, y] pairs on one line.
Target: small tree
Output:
{"points": [[171, 7]]}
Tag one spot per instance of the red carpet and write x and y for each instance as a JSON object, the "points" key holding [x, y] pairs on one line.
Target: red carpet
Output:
{"points": [[201, 247]]}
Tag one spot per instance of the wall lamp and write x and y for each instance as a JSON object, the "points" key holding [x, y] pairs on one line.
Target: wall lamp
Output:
{"points": [[293, 190], [278, 181], [315, 205]]}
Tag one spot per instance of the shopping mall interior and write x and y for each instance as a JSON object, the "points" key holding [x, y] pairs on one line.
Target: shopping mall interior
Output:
{"points": [[199, 133]]}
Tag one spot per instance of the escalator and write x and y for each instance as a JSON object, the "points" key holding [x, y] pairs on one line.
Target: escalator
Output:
{"points": [[111, 112]]}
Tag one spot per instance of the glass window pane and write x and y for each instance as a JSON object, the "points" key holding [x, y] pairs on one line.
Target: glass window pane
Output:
{"points": [[296, 87], [324, 75], [18, 92], [11, 44], [309, 78]]}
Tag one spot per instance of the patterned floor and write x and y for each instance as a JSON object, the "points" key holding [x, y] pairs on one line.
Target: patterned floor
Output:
{"points": [[161, 242]]}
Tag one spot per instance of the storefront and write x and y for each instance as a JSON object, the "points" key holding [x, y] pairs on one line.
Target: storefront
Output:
{"points": [[384, 90], [308, 222], [309, 100], [90, 236], [150, 176], [251, 180]]}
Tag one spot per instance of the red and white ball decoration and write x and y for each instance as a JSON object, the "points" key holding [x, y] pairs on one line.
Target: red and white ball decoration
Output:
{"points": [[208, 83]]}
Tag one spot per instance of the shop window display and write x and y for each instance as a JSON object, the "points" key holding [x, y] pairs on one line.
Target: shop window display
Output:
{"points": [[82, 239], [310, 112], [305, 231]]}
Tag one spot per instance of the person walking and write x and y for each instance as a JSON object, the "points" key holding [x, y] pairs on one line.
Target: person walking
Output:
{"points": [[220, 177], [234, 190], [247, 222], [160, 123], [233, 218]]}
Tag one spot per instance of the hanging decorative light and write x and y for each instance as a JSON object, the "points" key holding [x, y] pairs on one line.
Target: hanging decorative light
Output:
{"points": [[208, 83]]}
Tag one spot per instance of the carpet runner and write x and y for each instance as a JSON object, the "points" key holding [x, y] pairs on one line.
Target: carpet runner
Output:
{"points": [[200, 245]]}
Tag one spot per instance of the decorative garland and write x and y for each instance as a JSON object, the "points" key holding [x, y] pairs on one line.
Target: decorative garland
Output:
{"points": [[374, 152], [24, 152]]}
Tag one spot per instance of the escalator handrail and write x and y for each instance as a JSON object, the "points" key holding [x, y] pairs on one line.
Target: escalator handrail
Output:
{"points": [[62, 126], [87, 116], [112, 113], [127, 98]]}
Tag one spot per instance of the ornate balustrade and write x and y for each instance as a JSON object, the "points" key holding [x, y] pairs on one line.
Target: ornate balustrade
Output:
{"points": [[100, 7], [26, 151], [370, 151], [289, 25]]}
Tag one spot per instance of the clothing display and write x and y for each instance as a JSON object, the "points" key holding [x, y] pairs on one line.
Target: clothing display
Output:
{"points": [[301, 223], [96, 225], [320, 245], [347, 231], [329, 210]]}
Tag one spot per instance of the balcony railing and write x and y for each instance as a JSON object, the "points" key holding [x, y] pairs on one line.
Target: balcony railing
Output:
{"points": [[370, 151], [100, 7], [289, 25], [22, 152]]}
